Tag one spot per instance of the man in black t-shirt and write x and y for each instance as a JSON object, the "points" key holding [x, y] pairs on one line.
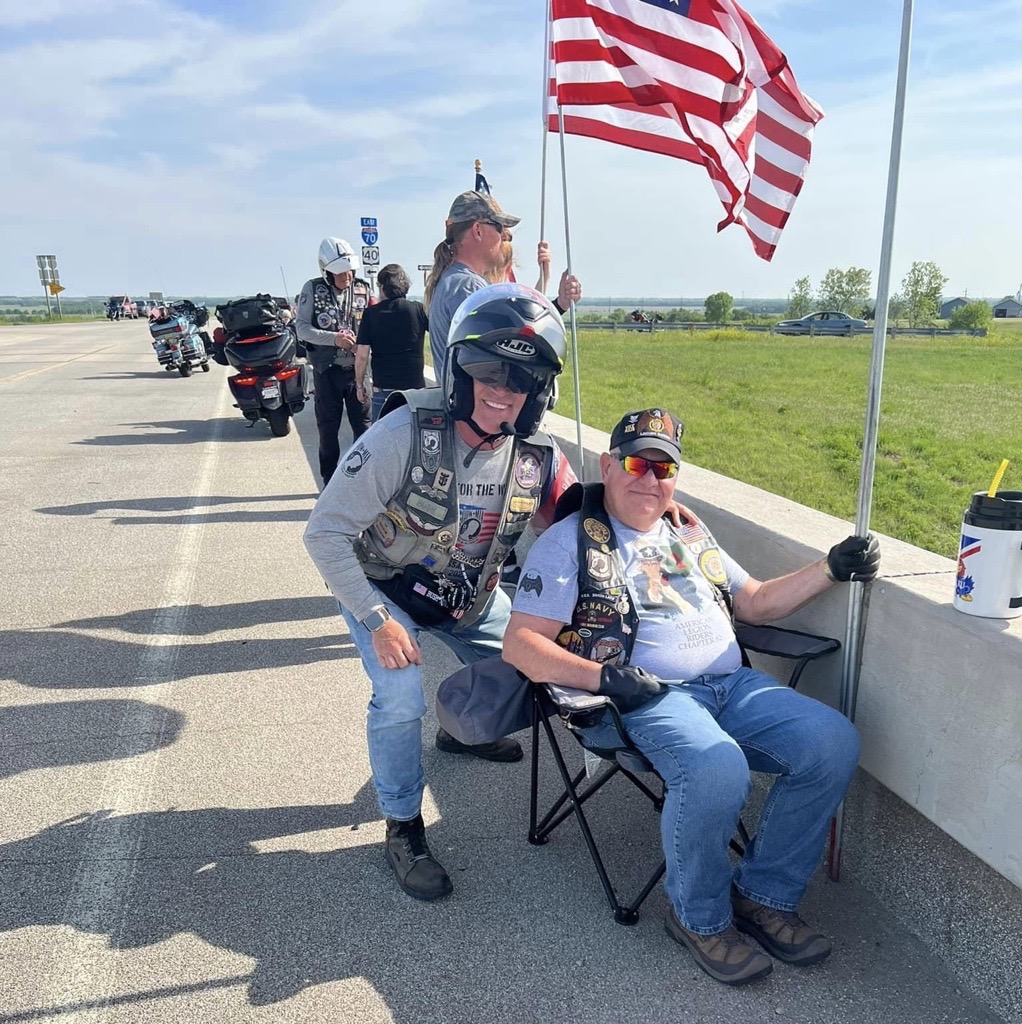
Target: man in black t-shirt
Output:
{"points": [[391, 337]]}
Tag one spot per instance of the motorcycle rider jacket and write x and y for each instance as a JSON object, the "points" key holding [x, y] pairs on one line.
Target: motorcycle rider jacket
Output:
{"points": [[322, 312], [407, 551]]}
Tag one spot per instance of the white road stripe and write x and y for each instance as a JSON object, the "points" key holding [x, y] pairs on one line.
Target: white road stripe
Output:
{"points": [[84, 969]]}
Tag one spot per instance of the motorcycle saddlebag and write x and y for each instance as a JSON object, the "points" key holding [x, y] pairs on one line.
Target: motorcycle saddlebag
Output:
{"points": [[257, 314], [261, 351]]}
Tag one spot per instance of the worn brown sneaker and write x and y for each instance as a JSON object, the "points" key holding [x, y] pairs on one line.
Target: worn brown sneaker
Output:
{"points": [[725, 956], [781, 933], [408, 853]]}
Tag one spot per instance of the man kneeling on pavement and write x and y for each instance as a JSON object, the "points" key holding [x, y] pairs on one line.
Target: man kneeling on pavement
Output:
{"points": [[616, 601]]}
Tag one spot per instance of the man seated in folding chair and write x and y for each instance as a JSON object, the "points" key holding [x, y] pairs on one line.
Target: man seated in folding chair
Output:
{"points": [[616, 601]]}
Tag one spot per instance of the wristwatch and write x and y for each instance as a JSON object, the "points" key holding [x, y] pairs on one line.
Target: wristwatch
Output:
{"points": [[377, 619]]}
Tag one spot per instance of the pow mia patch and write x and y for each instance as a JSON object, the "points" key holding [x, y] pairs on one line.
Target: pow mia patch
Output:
{"points": [[711, 566], [596, 530], [532, 582], [598, 565], [355, 460]]}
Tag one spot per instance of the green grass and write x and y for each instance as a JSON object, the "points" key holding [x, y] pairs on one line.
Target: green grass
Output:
{"points": [[787, 414]]}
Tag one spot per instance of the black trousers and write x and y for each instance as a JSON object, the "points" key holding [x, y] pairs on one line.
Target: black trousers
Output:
{"points": [[335, 393]]}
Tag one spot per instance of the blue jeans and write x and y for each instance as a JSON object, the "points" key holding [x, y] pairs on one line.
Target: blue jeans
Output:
{"points": [[394, 725], [703, 737], [379, 397]]}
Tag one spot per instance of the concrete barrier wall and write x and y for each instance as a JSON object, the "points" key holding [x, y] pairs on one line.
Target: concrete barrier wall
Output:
{"points": [[940, 694]]}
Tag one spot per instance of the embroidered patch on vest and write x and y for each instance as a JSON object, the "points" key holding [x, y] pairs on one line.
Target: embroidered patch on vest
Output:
{"points": [[596, 530]]}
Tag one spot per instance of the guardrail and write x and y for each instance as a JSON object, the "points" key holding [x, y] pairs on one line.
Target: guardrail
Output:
{"points": [[845, 332]]}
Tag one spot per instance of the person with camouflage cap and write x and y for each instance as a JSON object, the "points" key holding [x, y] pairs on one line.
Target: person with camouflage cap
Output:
{"points": [[476, 246], [615, 600]]}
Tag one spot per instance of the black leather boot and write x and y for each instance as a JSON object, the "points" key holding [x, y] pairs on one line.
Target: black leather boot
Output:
{"points": [[418, 872]]}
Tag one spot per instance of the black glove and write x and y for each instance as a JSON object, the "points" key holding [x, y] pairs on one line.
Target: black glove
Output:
{"points": [[629, 687], [855, 558]]}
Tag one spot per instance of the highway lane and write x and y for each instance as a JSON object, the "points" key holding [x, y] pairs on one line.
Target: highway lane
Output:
{"points": [[187, 828]]}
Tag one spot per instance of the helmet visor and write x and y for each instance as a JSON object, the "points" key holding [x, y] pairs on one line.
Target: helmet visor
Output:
{"points": [[500, 374]]}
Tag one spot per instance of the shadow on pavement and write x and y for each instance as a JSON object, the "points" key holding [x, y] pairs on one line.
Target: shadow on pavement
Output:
{"points": [[131, 375], [80, 731], [168, 504], [203, 619], [65, 660], [179, 432]]}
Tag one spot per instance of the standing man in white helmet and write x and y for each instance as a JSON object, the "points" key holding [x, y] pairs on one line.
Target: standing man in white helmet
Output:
{"points": [[330, 308]]}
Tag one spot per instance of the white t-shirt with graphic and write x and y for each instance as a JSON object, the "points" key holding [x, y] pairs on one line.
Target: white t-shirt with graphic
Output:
{"points": [[683, 632]]}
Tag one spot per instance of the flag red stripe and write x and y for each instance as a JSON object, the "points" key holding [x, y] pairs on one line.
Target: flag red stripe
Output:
{"points": [[715, 91]]}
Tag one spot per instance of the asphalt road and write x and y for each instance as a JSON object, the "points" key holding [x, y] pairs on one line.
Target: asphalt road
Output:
{"points": [[188, 831]]}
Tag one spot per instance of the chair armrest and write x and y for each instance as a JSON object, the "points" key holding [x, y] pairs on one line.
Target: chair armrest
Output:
{"points": [[571, 699], [784, 643]]}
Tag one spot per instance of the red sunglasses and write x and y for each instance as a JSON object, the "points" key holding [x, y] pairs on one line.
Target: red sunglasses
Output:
{"points": [[636, 465]]}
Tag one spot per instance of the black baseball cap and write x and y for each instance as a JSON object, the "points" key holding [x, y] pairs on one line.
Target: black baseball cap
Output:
{"points": [[649, 428]]}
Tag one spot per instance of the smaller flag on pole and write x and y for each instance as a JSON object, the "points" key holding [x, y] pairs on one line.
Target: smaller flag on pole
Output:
{"points": [[481, 185]]}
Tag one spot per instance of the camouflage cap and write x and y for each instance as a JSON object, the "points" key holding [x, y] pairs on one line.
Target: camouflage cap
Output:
{"points": [[649, 428], [478, 206]]}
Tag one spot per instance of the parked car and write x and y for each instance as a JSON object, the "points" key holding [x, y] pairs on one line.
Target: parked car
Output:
{"points": [[829, 321]]}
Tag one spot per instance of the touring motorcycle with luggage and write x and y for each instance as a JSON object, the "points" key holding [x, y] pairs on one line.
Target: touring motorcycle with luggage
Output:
{"points": [[177, 340], [258, 340]]}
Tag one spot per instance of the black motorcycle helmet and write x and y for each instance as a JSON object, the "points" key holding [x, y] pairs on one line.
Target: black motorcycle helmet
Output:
{"points": [[508, 335]]}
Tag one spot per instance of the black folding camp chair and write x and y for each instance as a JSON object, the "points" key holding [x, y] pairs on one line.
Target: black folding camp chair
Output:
{"points": [[578, 709]]}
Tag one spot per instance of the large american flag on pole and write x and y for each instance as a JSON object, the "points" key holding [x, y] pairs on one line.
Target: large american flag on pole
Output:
{"points": [[694, 79]]}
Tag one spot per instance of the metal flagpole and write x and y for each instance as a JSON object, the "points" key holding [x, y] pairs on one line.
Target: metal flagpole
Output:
{"points": [[544, 276], [287, 294], [571, 307], [852, 662]]}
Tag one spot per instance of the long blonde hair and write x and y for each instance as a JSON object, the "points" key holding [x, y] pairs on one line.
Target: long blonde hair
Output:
{"points": [[443, 257]]}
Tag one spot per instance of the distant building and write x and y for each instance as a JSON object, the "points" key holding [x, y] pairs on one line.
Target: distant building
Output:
{"points": [[1008, 306], [947, 308]]}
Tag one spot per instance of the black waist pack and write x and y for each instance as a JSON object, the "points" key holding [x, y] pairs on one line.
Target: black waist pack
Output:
{"points": [[428, 599]]}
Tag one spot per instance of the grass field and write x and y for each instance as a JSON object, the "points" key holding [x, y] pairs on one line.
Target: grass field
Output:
{"points": [[787, 415]]}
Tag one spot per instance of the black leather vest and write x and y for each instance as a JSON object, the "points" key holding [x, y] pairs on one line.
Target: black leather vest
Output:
{"points": [[420, 524], [604, 621]]}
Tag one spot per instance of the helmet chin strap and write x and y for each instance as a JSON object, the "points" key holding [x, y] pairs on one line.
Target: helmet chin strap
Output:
{"points": [[506, 430]]}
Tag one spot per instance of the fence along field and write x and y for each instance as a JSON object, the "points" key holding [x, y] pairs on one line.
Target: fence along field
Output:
{"points": [[786, 414]]}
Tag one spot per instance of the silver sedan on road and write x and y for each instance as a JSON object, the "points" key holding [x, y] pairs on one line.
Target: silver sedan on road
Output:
{"points": [[830, 321]]}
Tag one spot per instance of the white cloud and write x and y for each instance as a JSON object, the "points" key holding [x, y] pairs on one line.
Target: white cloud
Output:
{"points": [[212, 147]]}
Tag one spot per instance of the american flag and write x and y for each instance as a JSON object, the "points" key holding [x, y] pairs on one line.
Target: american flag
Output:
{"points": [[694, 79]]}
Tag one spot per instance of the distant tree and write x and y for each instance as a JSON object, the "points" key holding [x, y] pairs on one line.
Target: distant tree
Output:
{"points": [[741, 314], [922, 288], [972, 314], [896, 307], [718, 307], [800, 299], [847, 290], [618, 316]]}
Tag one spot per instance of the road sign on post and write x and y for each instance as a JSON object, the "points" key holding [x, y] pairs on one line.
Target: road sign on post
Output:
{"points": [[371, 255], [370, 232], [48, 277]]}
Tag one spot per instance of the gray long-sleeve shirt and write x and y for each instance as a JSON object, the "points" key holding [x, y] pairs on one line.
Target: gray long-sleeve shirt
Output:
{"points": [[369, 476]]}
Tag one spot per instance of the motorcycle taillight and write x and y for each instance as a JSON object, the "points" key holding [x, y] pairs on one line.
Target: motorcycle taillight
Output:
{"points": [[288, 374]]}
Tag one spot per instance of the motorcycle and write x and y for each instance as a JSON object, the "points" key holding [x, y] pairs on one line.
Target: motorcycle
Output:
{"points": [[197, 316], [271, 383], [178, 343]]}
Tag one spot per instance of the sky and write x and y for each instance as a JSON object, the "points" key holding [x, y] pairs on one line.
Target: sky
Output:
{"points": [[199, 147]]}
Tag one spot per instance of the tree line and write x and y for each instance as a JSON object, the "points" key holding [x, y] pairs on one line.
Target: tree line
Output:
{"points": [[850, 291], [918, 301]]}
